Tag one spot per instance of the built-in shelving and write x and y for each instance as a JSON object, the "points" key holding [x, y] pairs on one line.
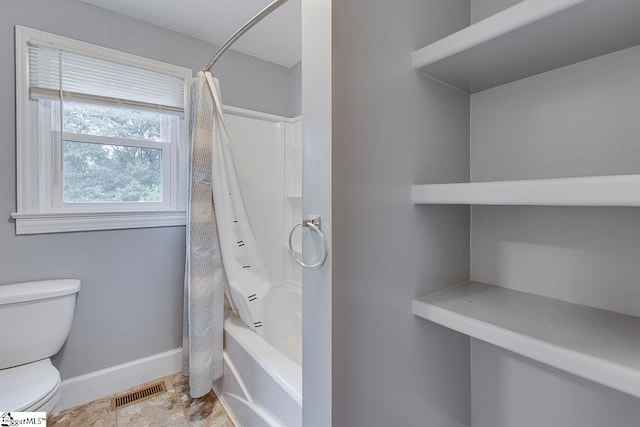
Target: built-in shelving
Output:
{"points": [[598, 345], [612, 190], [529, 38]]}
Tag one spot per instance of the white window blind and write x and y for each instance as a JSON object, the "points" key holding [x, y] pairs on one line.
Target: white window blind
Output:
{"points": [[55, 72]]}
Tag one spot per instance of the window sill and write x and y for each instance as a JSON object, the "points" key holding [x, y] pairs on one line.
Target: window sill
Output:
{"points": [[62, 222]]}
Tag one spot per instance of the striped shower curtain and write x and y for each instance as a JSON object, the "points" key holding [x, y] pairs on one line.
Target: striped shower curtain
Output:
{"points": [[222, 256]]}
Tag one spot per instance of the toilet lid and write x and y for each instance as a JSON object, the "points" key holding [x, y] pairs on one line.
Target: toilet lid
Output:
{"points": [[23, 386]]}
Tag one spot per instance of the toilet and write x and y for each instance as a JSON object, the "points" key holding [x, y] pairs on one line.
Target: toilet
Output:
{"points": [[36, 320]]}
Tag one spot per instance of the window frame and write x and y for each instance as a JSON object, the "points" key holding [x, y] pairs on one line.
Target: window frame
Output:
{"points": [[39, 196]]}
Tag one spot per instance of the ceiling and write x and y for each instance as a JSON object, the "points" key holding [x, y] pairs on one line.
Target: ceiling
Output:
{"points": [[275, 39]]}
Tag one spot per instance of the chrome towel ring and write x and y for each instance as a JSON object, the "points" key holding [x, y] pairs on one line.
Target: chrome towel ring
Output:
{"points": [[313, 223]]}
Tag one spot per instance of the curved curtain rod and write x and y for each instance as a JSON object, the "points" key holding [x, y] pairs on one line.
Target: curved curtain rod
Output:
{"points": [[246, 27]]}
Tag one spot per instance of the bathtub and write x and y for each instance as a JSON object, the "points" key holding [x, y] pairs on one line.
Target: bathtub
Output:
{"points": [[262, 382]]}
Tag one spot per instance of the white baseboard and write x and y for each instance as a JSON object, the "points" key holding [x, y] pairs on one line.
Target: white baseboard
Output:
{"points": [[106, 382]]}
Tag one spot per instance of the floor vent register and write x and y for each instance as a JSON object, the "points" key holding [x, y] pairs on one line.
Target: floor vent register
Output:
{"points": [[138, 395]]}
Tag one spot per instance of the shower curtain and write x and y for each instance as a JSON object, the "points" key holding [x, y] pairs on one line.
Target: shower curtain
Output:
{"points": [[222, 256]]}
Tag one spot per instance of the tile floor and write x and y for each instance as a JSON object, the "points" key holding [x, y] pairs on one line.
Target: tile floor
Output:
{"points": [[174, 408]]}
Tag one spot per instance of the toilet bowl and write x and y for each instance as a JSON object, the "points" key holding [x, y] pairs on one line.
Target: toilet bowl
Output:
{"points": [[36, 319]]}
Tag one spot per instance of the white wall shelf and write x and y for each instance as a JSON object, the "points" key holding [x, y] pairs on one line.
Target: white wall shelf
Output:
{"points": [[599, 345], [613, 190], [529, 38]]}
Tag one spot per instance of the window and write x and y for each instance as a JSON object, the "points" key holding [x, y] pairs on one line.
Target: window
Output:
{"points": [[101, 137]]}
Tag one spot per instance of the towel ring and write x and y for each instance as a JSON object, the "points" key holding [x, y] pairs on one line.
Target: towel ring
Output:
{"points": [[313, 223]]}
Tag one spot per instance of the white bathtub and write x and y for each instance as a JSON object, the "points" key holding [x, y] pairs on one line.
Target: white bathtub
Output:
{"points": [[262, 382]]}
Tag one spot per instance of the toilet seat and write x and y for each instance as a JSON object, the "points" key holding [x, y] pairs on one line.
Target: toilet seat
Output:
{"points": [[47, 403], [29, 387]]}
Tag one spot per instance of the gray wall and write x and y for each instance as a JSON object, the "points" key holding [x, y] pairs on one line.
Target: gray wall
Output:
{"points": [[130, 304], [575, 121], [481, 9], [510, 390], [295, 90], [392, 128]]}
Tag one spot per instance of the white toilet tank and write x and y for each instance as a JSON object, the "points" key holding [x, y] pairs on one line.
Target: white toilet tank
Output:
{"points": [[35, 319]]}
